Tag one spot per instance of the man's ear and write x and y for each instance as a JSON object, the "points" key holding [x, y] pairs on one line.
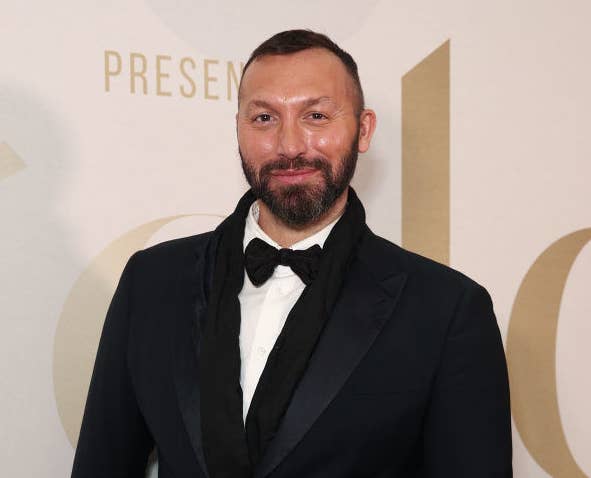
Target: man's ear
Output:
{"points": [[367, 125]]}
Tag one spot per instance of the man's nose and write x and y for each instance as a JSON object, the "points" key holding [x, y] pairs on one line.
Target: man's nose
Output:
{"points": [[292, 140]]}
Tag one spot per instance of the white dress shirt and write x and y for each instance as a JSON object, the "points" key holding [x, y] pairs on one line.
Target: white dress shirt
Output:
{"points": [[264, 309]]}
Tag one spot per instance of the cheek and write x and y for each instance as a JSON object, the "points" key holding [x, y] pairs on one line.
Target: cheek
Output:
{"points": [[329, 142], [256, 143]]}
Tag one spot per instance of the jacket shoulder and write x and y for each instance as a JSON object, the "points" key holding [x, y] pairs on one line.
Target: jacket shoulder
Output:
{"points": [[387, 258], [171, 254]]}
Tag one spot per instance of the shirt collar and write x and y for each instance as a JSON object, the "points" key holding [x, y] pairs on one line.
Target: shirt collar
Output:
{"points": [[252, 230]]}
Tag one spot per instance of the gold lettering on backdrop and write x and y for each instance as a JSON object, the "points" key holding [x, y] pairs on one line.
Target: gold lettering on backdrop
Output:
{"points": [[425, 156], [138, 73], [187, 77], [110, 71], [232, 78], [531, 354], [160, 75], [207, 79], [10, 162], [166, 76]]}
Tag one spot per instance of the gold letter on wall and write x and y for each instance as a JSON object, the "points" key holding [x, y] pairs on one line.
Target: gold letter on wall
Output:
{"points": [[531, 354], [425, 156]]}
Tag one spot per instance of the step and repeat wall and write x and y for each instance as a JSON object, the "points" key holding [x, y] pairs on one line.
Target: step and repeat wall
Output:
{"points": [[117, 132]]}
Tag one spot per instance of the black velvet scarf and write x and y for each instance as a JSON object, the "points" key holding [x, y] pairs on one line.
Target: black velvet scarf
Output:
{"points": [[232, 449]]}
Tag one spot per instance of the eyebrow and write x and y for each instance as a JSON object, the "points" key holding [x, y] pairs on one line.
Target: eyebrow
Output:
{"points": [[306, 103]]}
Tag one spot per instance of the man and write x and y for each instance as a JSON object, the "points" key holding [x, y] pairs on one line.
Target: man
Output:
{"points": [[292, 341]]}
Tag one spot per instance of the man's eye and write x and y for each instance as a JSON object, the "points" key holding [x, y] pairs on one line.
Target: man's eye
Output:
{"points": [[265, 117], [317, 116]]}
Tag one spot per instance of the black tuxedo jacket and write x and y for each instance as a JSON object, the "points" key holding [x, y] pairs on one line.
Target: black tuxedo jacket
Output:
{"points": [[408, 378]]}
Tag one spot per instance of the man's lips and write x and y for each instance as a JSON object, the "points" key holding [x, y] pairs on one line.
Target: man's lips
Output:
{"points": [[293, 176]]}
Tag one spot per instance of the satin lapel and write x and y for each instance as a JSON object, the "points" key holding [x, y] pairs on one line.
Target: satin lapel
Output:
{"points": [[186, 369], [364, 306]]}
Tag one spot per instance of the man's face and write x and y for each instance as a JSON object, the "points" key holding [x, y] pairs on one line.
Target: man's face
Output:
{"points": [[298, 132]]}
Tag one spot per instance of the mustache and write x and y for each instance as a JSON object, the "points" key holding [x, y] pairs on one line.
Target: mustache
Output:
{"points": [[298, 162]]}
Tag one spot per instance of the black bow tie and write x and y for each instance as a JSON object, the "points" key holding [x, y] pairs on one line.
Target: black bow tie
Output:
{"points": [[260, 260]]}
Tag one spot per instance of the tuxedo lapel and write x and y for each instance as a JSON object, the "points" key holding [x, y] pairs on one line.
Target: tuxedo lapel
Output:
{"points": [[364, 306], [188, 332]]}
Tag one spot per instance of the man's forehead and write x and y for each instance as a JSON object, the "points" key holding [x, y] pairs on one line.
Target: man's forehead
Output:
{"points": [[303, 100], [308, 70]]}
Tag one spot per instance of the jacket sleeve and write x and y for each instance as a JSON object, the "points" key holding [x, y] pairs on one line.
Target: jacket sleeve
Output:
{"points": [[468, 423], [114, 440]]}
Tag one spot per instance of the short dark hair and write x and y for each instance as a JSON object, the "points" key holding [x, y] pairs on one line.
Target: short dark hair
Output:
{"points": [[293, 41]]}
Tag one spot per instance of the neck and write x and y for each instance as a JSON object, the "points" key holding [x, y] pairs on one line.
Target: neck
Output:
{"points": [[285, 235]]}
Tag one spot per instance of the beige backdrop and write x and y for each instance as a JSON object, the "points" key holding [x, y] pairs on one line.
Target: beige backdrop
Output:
{"points": [[117, 132]]}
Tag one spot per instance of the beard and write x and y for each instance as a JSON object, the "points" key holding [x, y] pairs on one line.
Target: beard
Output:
{"points": [[298, 205]]}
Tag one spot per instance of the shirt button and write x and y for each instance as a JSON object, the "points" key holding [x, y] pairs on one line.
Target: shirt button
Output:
{"points": [[261, 351]]}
